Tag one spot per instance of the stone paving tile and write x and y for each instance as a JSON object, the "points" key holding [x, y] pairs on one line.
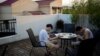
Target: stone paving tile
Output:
{"points": [[1, 49], [23, 48]]}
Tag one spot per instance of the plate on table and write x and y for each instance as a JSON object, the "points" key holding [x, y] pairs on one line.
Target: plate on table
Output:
{"points": [[60, 34]]}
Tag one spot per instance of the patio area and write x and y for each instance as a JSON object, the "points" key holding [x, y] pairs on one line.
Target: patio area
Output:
{"points": [[17, 17], [22, 48], [20, 44]]}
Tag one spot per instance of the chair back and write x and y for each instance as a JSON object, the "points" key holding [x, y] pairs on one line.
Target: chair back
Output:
{"points": [[33, 40], [69, 28], [86, 48]]}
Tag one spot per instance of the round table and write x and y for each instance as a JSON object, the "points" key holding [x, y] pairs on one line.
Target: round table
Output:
{"points": [[66, 38]]}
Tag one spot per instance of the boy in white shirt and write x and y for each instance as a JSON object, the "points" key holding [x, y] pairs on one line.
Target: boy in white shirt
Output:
{"points": [[44, 37]]}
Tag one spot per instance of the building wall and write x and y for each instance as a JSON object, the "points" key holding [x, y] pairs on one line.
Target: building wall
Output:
{"points": [[5, 12], [24, 5], [28, 5], [48, 8], [56, 3], [45, 9]]}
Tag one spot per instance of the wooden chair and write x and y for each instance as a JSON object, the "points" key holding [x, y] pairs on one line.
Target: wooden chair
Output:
{"points": [[35, 43]]}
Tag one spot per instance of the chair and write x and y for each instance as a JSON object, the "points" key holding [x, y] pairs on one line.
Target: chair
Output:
{"points": [[85, 48], [69, 28], [35, 43]]}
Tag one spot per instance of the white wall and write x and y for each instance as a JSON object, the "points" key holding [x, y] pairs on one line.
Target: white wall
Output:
{"points": [[37, 23], [9, 39], [2, 1], [65, 17]]}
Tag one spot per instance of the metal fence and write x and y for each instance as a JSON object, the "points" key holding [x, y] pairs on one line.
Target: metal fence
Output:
{"points": [[7, 27]]}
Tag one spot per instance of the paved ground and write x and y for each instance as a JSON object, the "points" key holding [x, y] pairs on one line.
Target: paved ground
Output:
{"points": [[23, 48]]}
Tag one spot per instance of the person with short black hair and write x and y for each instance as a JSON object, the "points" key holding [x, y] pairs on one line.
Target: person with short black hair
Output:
{"points": [[84, 32], [45, 37], [49, 25], [78, 28]]}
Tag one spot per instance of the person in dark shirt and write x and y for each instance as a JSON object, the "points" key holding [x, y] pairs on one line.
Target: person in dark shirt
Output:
{"points": [[90, 47]]}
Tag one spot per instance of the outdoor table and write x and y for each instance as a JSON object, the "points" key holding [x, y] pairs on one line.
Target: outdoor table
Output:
{"points": [[66, 38]]}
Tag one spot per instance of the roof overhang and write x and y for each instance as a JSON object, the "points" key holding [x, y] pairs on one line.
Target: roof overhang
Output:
{"points": [[7, 2]]}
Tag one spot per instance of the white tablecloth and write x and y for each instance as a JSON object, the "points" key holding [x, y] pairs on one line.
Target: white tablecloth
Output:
{"points": [[66, 35]]}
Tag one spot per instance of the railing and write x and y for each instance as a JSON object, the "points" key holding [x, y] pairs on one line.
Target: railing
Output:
{"points": [[7, 27]]}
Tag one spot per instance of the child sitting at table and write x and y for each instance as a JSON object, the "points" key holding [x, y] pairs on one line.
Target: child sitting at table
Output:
{"points": [[84, 33], [50, 41]]}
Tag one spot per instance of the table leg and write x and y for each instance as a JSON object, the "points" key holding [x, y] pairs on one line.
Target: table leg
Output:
{"points": [[61, 43], [65, 52]]}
